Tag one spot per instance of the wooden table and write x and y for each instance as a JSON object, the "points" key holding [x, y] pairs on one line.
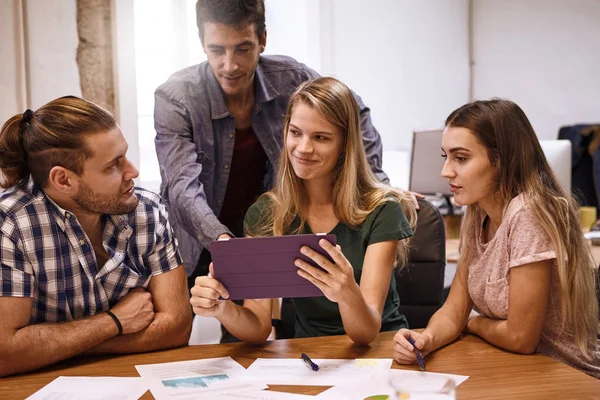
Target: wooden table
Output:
{"points": [[452, 251], [494, 373]]}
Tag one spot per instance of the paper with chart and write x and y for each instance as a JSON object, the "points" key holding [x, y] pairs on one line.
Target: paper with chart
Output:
{"points": [[196, 378], [292, 371], [91, 388], [420, 385]]}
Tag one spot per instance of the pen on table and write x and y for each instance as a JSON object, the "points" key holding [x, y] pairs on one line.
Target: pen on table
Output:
{"points": [[420, 358], [309, 363]]}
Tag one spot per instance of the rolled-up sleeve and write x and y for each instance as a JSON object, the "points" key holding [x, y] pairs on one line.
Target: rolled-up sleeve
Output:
{"points": [[180, 170], [16, 273]]}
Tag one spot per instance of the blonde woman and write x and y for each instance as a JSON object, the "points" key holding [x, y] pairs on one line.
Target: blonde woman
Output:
{"points": [[324, 184], [524, 262]]}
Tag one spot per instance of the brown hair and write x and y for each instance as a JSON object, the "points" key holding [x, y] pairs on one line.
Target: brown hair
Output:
{"points": [[503, 129], [32, 143], [236, 13], [356, 190]]}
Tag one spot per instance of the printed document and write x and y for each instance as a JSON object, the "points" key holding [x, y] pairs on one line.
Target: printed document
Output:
{"points": [[91, 388], [196, 379]]}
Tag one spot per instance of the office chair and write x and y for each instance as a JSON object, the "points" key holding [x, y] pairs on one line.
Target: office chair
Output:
{"points": [[598, 293], [420, 284]]}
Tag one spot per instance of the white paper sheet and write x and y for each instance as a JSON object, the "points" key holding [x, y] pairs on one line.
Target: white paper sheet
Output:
{"points": [[420, 385], [91, 388], [262, 395], [434, 381], [292, 371], [196, 378]]}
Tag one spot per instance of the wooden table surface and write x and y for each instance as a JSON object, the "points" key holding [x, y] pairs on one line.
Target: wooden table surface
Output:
{"points": [[494, 373]]}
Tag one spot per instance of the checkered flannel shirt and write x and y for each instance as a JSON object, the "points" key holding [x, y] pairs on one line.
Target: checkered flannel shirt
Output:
{"points": [[46, 255]]}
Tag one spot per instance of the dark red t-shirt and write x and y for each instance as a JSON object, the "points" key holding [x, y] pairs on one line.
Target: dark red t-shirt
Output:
{"points": [[246, 177]]}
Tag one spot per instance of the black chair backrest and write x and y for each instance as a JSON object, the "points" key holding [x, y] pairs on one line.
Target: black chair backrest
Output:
{"points": [[420, 284], [598, 292]]}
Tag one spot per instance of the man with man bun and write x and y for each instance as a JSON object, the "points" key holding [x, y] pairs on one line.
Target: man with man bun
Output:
{"points": [[88, 262]]}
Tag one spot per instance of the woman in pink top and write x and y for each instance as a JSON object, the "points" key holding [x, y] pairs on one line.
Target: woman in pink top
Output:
{"points": [[524, 262]]}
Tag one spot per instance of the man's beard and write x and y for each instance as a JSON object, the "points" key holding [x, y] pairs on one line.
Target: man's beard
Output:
{"points": [[97, 203]]}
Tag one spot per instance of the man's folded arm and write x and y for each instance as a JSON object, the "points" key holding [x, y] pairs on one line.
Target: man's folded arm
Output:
{"points": [[26, 347], [172, 321]]}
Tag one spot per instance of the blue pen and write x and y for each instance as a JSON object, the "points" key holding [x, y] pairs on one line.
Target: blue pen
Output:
{"points": [[309, 363], [420, 358]]}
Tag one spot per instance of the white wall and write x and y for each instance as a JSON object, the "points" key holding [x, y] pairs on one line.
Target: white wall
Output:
{"points": [[38, 43], [542, 54], [294, 29], [52, 44], [407, 59], [12, 68]]}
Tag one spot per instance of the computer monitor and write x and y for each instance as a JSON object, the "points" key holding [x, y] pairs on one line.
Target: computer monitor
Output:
{"points": [[426, 163], [558, 153]]}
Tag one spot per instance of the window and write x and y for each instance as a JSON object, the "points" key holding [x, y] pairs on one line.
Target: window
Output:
{"points": [[163, 45]]}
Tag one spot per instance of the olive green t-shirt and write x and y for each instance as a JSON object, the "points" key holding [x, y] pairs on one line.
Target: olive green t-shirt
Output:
{"points": [[317, 316]]}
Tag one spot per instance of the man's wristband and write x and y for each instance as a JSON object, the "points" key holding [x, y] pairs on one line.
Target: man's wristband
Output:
{"points": [[114, 317]]}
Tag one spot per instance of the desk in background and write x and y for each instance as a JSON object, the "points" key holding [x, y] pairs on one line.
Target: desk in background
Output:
{"points": [[452, 251], [494, 373]]}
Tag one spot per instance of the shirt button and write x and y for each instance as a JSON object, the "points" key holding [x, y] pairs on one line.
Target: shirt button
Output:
{"points": [[230, 136], [226, 166], [67, 214], [81, 242], [219, 201]]}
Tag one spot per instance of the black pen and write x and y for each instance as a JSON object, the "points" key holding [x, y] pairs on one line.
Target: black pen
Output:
{"points": [[420, 358], [309, 363]]}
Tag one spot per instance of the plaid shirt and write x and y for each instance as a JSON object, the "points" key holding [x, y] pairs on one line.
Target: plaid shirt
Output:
{"points": [[46, 255]]}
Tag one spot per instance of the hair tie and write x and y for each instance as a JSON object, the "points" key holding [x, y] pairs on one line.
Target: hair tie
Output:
{"points": [[27, 115]]}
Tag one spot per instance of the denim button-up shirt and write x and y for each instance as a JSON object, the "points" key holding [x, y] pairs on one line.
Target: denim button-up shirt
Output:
{"points": [[195, 135]]}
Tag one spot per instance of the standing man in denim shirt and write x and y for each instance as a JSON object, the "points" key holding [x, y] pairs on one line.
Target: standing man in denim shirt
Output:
{"points": [[219, 127]]}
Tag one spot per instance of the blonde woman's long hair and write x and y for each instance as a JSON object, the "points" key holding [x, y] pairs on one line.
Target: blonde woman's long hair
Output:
{"points": [[356, 191], [505, 131]]}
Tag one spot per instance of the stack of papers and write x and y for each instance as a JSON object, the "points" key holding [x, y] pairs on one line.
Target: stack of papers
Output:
{"points": [[224, 379]]}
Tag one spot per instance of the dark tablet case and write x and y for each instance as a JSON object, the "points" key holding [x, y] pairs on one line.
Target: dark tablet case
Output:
{"points": [[263, 267]]}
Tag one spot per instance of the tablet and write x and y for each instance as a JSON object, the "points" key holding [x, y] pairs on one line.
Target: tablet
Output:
{"points": [[263, 267]]}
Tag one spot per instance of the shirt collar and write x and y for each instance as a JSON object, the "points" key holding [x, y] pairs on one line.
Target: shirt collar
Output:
{"points": [[54, 208], [264, 91], [120, 221]]}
